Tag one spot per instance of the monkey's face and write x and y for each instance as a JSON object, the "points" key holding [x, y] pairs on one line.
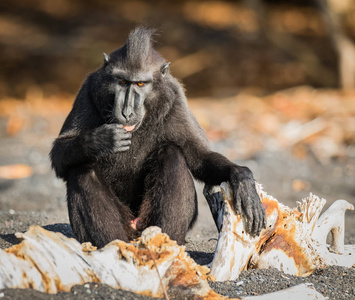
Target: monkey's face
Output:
{"points": [[130, 93], [127, 76]]}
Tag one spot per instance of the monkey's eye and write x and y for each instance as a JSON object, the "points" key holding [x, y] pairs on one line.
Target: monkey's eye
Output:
{"points": [[140, 83], [122, 81]]}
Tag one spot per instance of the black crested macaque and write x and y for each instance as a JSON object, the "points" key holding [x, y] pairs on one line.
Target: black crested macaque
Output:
{"points": [[130, 147]]}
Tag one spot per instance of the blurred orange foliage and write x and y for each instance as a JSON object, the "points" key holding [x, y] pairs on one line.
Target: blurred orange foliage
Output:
{"points": [[17, 171], [20, 113], [301, 119]]}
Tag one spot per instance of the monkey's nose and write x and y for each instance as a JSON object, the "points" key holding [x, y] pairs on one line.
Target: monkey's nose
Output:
{"points": [[127, 116]]}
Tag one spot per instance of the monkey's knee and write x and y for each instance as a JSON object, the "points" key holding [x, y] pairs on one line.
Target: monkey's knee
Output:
{"points": [[178, 204], [79, 184], [82, 177], [95, 213], [171, 154], [175, 172]]}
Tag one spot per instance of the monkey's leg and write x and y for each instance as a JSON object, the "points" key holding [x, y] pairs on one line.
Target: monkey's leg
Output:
{"points": [[170, 198], [96, 215]]}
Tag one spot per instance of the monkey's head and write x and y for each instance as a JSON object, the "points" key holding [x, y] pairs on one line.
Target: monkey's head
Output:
{"points": [[129, 76]]}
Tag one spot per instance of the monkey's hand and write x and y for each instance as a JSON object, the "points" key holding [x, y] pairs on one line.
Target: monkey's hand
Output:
{"points": [[108, 139], [247, 201]]}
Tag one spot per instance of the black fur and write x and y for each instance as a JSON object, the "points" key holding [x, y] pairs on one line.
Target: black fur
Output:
{"points": [[114, 176]]}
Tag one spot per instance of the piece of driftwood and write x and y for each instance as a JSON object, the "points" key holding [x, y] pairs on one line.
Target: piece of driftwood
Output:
{"points": [[294, 240], [50, 262]]}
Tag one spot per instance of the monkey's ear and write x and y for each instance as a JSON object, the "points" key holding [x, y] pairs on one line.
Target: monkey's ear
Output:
{"points": [[106, 58], [165, 68]]}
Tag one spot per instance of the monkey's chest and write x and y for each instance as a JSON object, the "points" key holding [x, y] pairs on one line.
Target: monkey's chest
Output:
{"points": [[124, 175], [125, 172]]}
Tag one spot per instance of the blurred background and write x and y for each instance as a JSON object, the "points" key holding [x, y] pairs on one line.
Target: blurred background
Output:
{"points": [[272, 83]]}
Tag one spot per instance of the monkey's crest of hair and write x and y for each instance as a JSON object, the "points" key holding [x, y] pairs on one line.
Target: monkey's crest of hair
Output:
{"points": [[138, 51]]}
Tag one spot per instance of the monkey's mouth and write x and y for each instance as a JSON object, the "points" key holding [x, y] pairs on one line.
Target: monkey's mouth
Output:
{"points": [[130, 128]]}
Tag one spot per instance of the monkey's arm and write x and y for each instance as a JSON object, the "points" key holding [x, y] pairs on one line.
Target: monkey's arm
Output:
{"points": [[67, 151], [83, 139], [213, 168], [77, 147]]}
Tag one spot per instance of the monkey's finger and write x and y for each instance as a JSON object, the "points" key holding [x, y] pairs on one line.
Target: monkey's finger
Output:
{"points": [[237, 201], [257, 222], [263, 217], [119, 136], [238, 207], [113, 126], [259, 213], [127, 134], [122, 149], [262, 221], [123, 143], [249, 216], [257, 216]]}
